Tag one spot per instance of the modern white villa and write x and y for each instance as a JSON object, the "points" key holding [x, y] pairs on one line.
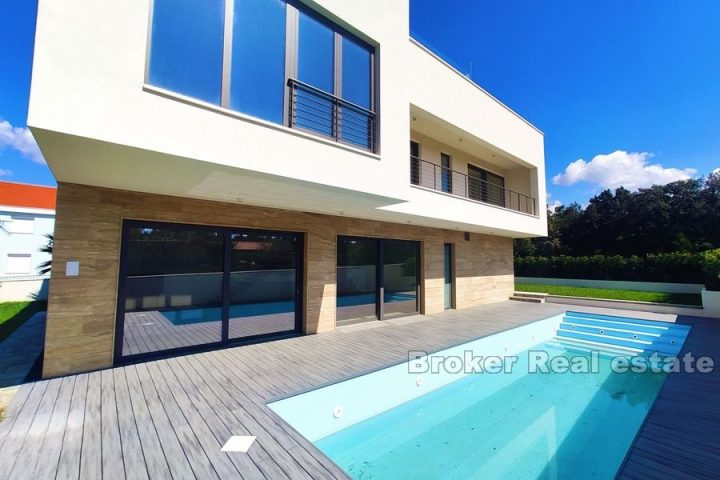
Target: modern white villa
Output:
{"points": [[27, 217], [284, 250], [236, 171]]}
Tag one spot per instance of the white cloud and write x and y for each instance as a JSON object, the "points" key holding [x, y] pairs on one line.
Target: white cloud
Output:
{"points": [[717, 170], [552, 206], [5, 173], [20, 139], [620, 168]]}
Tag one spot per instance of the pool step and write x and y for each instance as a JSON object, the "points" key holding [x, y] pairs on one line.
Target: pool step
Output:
{"points": [[530, 297], [625, 333]]}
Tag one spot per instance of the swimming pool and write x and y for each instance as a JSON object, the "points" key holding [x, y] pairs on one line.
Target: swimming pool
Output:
{"points": [[514, 424]]}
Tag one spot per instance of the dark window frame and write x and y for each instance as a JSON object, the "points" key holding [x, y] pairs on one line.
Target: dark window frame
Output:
{"points": [[380, 272], [225, 341]]}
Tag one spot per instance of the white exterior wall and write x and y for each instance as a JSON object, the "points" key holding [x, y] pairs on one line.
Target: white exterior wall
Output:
{"points": [[98, 124], [19, 286], [24, 243]]}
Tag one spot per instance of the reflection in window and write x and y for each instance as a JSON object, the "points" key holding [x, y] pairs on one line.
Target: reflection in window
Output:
{"points": [[400, 278], [356, 279], [177, 283], [258, 59], [187, 46], [356, 72], [316, 47], [315, 66], [173, 288], [263, 279]]}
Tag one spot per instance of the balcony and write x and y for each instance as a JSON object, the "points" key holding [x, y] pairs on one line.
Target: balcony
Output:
{"points": [[320, 113], [436, 177]]}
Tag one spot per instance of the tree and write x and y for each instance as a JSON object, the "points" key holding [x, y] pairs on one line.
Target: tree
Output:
{"points": [[46, 266], [681, 216]]}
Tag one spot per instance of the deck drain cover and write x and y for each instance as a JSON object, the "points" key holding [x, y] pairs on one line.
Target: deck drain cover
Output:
{"points": [[238, 443]]}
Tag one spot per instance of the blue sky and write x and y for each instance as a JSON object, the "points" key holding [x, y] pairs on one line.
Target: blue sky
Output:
{"points": [[626, 92], [599, 78]]}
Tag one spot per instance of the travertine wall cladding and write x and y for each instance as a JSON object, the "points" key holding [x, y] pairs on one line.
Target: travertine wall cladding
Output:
{"points": [[81, 313]]}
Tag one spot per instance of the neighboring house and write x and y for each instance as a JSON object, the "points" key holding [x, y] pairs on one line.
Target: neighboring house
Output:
{"points": [[244, 170], [27, 216]]}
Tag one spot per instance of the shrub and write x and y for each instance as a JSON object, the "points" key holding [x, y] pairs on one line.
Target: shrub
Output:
{"points": [[712, 269], [680, 267]]}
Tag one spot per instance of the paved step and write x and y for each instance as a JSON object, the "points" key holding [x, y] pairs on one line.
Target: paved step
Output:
{"points": [[530, 294], [518, 298], [530, 297]]}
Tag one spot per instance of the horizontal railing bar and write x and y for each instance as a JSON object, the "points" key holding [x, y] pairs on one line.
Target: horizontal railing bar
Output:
{"points": [[443, 178], [310, 101], [325, 123], [329, 96], [312, 115], [316, 111]]}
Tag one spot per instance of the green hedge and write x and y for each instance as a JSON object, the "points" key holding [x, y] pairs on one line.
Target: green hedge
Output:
{"points": [[666, 267]]}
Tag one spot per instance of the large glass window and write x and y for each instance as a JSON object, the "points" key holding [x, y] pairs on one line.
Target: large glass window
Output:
{"points": [[376, 278], [356, 279], [185, 285], [356, 72], [316, 58], [400, 278], [316, 67], [263, 283], [356, 88], [173, 288], [258, 59], [187, 47], [283, 63]]}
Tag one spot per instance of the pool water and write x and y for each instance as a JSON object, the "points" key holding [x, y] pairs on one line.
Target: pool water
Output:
{"points": [[191, 315], [539, 426]]}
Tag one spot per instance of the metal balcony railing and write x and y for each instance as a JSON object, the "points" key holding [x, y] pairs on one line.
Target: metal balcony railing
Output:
{"points": [[436, 177], [316, 111]]}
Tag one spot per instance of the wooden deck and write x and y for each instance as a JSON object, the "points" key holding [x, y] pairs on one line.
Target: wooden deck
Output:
{"points": [[151, 331], [169, 418]]}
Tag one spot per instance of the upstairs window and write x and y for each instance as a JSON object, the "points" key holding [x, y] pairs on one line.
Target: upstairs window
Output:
{"points": [[316, 68], [257, 79], [270, 59], [187, 47]]}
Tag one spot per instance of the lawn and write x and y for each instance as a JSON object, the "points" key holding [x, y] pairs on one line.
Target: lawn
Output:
{"points": [[14, 314], [606, 293]]}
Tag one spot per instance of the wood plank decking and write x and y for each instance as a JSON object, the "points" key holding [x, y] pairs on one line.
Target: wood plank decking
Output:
{"points": [[169, 418]]}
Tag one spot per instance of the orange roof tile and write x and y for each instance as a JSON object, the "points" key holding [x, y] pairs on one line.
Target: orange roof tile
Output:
{"points": [[25, 195]]}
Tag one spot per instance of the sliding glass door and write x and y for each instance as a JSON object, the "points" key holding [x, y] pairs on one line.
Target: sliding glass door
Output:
{"points": [[400, 278], [376, 279], [263, 283], [357, 284], [184, 286], [173, 288]]}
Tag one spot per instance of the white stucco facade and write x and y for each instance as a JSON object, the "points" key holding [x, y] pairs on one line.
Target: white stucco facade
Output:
{"points": [[23, 232], [99, 123]]}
